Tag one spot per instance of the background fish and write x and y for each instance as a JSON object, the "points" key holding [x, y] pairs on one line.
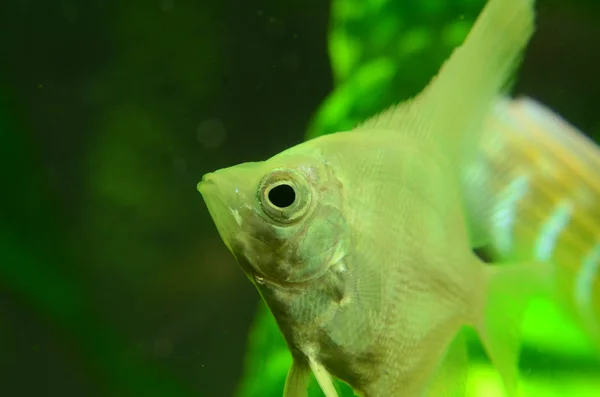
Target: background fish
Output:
{"points": [[358, 243], [542, 179]]}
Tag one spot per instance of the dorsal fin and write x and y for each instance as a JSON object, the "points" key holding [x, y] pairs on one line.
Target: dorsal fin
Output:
{"points": [[452, 108]]}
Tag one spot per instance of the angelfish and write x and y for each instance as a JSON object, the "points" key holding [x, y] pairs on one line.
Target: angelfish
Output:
{"points": [[359, 243]]}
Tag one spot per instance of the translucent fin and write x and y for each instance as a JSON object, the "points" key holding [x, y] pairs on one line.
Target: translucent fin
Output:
{"points": [[453, 107], [571, 165], [543, 204], [478, 202], [323, 378], [451, 377], [507, 291], [462, 94], [485, 201], [296, 383]]}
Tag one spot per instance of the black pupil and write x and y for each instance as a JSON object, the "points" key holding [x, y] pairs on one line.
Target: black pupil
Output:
{"points": [[282, 196]]}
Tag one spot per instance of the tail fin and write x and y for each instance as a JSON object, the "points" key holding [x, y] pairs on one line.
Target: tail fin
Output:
{"points": [[541, 177]]}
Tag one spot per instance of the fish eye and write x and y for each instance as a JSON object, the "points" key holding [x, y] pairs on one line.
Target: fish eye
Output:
{"points": [[284, 195]]}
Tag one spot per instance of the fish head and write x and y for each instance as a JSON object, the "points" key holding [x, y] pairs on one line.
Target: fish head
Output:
{"points": [[282, 218]]}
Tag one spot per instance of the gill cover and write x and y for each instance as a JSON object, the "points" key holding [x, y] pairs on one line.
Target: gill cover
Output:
{"points": [[289, 212]]}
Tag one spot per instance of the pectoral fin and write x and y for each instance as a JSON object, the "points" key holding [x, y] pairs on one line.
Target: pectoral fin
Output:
{"points": [[296, 383], [323, 378]]}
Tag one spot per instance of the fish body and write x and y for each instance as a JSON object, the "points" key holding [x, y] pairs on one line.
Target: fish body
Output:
{"points": [[542, 179], [312, 274], [359, 242]]}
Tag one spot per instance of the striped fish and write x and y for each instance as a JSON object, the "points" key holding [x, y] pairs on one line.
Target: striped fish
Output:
{"points": [[542, 176]]}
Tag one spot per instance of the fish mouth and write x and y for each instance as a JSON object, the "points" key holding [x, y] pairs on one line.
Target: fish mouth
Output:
{"points": [[218, 208], [229, 231], [206, 183], [209, 191]]}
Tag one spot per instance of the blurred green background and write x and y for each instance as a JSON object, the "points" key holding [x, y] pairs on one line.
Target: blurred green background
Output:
{"points": [[113, 279]]}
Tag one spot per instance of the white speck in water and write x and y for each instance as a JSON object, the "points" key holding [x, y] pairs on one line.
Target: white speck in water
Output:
{"points": [[211, 133], [259, 280]]}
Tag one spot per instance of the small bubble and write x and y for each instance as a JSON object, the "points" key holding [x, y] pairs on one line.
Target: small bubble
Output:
{"points": [[211, 133]]}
